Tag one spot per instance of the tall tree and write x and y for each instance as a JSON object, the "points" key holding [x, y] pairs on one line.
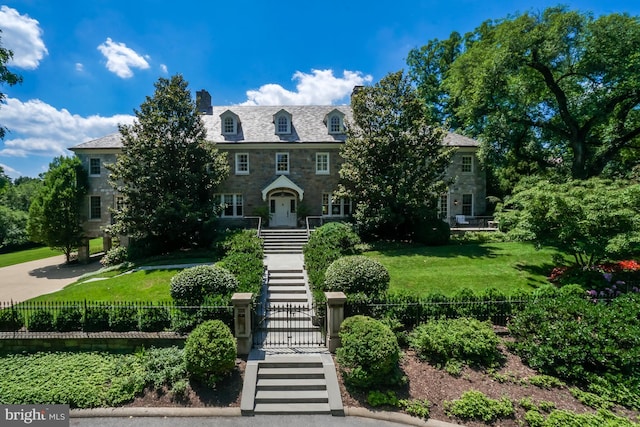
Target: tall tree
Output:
{"points": [[167, 171], [557, 90], [6, 76], [593, 220], [55, 217], [394, 160]]}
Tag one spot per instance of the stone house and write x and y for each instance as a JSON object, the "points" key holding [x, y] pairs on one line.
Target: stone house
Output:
{"points": [[284, 160]]}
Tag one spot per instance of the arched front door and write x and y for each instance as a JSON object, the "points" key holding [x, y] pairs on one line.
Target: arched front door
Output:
{"points": [[282, 207]]}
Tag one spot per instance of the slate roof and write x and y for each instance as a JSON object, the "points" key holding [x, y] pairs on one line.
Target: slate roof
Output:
{"points": [[256, 126]]}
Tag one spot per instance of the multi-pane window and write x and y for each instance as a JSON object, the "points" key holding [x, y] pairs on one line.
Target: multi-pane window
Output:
{"points": [[95, 208], [467, 164], [322, 163], [242, 163], [467, 204], [231, 205], [228, 126], [335, 125], [94, 167], [282, 163], [283, 124], [335, 206], [443, 206]]}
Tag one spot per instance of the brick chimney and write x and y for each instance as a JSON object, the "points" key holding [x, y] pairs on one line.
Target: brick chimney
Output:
{"points": [[203, 102]]}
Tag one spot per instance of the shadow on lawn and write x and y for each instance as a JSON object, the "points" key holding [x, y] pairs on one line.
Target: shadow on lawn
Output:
{"points": [[398, 249], [535, 272]]}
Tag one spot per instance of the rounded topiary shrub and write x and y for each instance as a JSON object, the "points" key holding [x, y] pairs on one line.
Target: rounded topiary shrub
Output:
{"points": [[369, 356], [356, 274], [41, 321], [433, 232], [192, 285], [210, 351], [115, 256], [69, 319], [11, 320]]}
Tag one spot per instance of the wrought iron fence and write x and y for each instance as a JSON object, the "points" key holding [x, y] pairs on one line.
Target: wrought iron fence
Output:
{"points": [[288, 325], [95, 316]]}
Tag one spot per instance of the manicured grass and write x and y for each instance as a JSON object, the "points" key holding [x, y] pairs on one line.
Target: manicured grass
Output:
{"points": [[26, 255], [508, 267], [33, 254], [139, 286]]}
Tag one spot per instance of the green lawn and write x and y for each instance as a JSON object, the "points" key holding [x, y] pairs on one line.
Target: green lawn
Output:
{"points": [[34, 254], [139, 286], [421, 270]]}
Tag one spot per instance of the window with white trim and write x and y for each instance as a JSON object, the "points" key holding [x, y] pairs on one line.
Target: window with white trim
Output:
{"points": [[335, 206], [443, 206], [282, 163], [228, 125], [95, 207], [94, 167], [242, 163], [335, 124], [230, 204], [467, 164], [467, 204], [282, 125], [322, 163]]}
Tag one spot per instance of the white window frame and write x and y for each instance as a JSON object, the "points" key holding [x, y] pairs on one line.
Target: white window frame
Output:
{"points": [[288, 163], [93, 160], [232, 201], [467, 167], [323, 166], [443, 206], [336, 207], [225, 126], [239, 164], [335, 124], [283, 124], [93, 217]]}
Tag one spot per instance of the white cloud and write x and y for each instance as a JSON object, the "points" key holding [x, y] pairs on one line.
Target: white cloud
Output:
{"points": [[121, 59], [37, 128], [164, 69], [79, 67], [320, 87], [23, 36], [8, 170]]}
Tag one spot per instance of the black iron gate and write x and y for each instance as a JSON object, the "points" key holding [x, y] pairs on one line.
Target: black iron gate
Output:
{"points": [[288, 325]]}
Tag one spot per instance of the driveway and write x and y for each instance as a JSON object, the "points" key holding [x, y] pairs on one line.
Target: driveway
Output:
{"points": [[30, 279]]}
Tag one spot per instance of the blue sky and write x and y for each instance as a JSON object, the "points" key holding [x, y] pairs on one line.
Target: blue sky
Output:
{"points": [[87, 65]]}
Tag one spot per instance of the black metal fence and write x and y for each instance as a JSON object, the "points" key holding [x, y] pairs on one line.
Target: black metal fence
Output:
{"points": [[93, 316], [288, 325], [411, 311]]}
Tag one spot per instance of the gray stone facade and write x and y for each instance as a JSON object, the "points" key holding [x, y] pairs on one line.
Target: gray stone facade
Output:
{"points": [[309, 137]]}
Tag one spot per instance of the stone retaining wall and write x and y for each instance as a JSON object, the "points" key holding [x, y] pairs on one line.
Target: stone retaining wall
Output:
{"points": [[125, 342]]}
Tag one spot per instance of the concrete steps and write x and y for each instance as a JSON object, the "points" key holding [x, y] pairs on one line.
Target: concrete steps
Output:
{"points": [[291, 384], [283, 241]]}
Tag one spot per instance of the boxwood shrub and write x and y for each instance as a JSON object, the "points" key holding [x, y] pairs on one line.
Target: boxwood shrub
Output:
{"points": [[69, 319], [453, 342], [357, 274], [41, 321], [369, 356], [244, 257], [191, 286], [123, 319], [11, 319], [96, 319], [210, 352], [154, 319], [326, 244]]}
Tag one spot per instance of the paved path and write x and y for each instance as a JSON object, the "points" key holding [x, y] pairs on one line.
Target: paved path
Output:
{"points": [[30, 279]]}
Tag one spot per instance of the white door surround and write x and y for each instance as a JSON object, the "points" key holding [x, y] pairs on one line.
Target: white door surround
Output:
{"points": [[282, 208]]}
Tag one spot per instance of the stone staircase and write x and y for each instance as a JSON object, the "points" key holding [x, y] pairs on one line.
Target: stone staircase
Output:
{"points": [[289, 371], [283, 241], [291, 384]]}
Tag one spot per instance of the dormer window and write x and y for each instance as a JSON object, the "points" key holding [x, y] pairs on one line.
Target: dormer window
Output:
{"points": [[229, 123], [334, 122], [282, 120]]}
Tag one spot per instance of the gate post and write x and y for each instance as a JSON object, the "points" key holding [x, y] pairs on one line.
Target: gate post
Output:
{"points": [[242, 321], [335, 316]]}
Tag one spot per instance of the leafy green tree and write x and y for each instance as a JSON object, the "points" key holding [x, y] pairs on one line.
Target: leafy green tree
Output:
{"points": [[592, 220], [20, 193], [55, 214], [558, 90], [394, 160], [13, 227], [7, 77], [167, 171]]}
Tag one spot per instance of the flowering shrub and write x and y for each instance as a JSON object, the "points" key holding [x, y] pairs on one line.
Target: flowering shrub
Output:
{"points": [[606, 280]]}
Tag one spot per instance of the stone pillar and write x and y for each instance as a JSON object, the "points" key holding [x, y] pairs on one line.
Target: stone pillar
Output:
{"points": [[335, 316], [107, 242], [83, 251], [242, 321]]}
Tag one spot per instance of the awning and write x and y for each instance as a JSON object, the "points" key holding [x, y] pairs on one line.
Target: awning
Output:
{"points": [[282, 182]]}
